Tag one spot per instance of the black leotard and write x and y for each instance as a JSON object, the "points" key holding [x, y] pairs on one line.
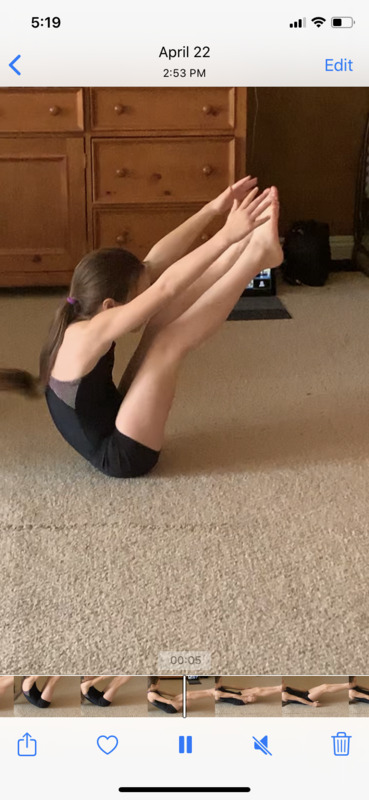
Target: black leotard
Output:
{"points": [[233, 701], [304, 694], [84, 411]]}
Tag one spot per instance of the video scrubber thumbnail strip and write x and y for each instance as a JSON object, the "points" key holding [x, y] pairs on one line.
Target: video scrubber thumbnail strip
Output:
{"points": [[164, 695]]}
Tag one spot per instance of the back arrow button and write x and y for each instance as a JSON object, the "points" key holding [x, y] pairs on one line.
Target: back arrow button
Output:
{"points": [[11, 65]]}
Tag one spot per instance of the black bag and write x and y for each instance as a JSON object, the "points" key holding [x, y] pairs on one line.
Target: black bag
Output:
{"points": [[307, 253]]}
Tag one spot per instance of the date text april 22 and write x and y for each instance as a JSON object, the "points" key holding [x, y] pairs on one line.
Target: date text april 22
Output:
{"points": [[185, 52]]}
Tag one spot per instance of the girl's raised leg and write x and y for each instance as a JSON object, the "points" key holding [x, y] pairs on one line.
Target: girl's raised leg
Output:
{"points": [[5, 683], [145, 408], [263, 691], [178, 306], [327, 688], [49, 688], [114, 685]]}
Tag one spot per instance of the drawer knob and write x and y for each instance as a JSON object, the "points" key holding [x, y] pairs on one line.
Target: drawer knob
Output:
{"points": [[121, 173], [156, 176], [119, 109], [207, 169], [122, 237], [54, 110], [208, 110]]}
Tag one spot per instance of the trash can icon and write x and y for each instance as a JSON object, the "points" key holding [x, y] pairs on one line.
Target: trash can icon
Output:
{"points": [[341, 744]]}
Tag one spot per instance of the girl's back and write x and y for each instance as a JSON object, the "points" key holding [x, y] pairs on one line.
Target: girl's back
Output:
{"points": [[78, 353]]}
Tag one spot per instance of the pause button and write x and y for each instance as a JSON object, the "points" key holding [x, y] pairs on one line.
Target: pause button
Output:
{"points": [[185, 744]]}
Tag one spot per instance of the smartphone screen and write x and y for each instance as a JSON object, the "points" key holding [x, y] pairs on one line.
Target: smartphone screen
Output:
{"points": [[184, 265]]}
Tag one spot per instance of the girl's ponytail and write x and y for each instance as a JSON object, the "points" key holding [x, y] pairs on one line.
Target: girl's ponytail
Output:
{"points": [[18, 380], [106, 273]]}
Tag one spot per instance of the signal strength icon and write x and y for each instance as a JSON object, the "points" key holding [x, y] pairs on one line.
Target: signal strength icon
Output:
{"points": [[318, 21], [300, 23]]}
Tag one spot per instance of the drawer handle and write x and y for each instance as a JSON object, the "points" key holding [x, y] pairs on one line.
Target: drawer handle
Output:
{"points": [[54, 110], [121, 173], [207, 169], [208, 110], [122, 237], [119, 109]]}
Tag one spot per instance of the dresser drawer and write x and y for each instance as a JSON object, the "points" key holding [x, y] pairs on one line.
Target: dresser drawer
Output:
{"points": [[157, 170], [163, 109], [138, 228], [41, 111]]}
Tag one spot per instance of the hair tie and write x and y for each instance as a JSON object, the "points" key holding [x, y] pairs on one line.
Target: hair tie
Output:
{"points": [[71, 300]]}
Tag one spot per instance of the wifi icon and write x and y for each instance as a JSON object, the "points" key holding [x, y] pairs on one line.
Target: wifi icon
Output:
{"points": [[318, 21]]}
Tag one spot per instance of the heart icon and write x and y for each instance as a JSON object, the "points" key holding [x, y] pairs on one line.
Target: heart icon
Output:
{"points": [[107, 744]]}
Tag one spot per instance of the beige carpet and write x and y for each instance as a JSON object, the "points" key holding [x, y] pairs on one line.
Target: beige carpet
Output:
{"points": [[250, 540]]}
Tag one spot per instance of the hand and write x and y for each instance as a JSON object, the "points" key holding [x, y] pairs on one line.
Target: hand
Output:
{"points": [[238, 191], [249, 698], [246, 216]]}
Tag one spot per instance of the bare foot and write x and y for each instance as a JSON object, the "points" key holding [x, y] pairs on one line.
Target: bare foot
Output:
{"points": [[248, 698], [266, 237]]}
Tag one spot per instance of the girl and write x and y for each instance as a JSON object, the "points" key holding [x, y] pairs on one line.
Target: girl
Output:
{"points": [[310, 697], [96, 696], [241, 697], [357, 693], [35, 696], [181, 303], [172, 703]]}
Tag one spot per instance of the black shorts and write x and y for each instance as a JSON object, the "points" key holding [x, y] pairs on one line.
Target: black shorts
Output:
{"points": [[119, 456], [110, 451], [169, 709]]}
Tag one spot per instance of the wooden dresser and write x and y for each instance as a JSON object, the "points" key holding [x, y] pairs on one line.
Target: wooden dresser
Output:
{"points": [[88, 168]]}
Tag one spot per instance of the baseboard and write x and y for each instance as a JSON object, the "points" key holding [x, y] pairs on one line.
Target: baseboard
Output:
{"points": [[341, 246]]}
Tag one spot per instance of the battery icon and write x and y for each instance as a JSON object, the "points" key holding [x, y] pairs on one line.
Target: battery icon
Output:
{"points": [[342, 22]]}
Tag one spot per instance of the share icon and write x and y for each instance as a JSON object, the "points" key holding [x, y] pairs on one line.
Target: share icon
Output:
{"points": [[262, 745]]}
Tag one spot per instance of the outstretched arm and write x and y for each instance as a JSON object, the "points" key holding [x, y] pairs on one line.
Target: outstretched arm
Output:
{"points": [[108, 325], [177, 243]]}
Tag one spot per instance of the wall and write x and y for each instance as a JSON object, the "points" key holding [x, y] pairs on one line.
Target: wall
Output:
{"points": [[307, 141]]}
